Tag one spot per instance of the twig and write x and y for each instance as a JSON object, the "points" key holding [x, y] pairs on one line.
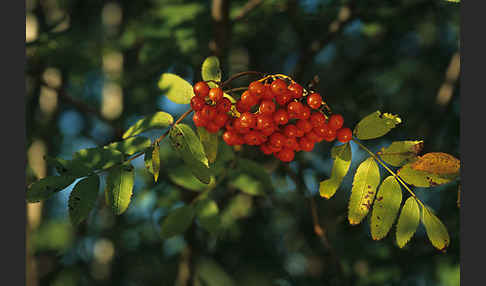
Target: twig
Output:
{"points": [[249, 6], [237, 75]]}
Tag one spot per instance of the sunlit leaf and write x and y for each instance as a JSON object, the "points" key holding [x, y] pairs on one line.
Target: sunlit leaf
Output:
{"points": [[424, 179], [366, 180], [210, 143], [342, 160], [83, 198], [158, 120], [176, 89], [178, 221], [131, 146], [156, 161], [182, 176], [191, 150], [436, 230], [437, 163], [375, 125], [401, 152], [407, 222], [119, 188], [211, 70], [207, 213], [44, 188], [385, 208]]}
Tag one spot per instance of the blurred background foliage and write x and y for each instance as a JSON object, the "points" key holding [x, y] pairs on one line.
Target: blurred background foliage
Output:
{"points": [[92, 71]]}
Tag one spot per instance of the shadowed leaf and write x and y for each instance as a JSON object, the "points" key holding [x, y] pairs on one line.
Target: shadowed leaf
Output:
{"points": [[131, 146], [177, 222], [210, 143], [95, 158], [156, 161], [248, 184], [44, 188], [83, 198], [207, 213], [182, 176]]}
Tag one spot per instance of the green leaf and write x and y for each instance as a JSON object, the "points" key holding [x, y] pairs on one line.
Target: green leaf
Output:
{"points": [[177, 222], [58, 163], [191, 150], [44, 188], [182, 176], [366, 179], [96, 158], [156, 161], [177, 89], [210, 143], [119, 188], [83, 198], [255, 170], [437, 163], [342, 160], [454, 1], [247, 184], [131, 146], [385, 208], [423, 179], [67, 168], [407, 222], [376, 125], [207, 213], [436, 230], [148, 160], [210, 273], [210, 70], [401, 152], [158, 120]]}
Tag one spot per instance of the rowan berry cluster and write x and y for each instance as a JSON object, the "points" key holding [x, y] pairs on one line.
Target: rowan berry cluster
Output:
{"points": [[278, 117]]}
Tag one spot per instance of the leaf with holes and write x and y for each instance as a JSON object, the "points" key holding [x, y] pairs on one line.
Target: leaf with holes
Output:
{"points": [[423, 179], [158, 120], [131, 146], [366, 180], [210, 143], [342, 160], [119, 188], [407, 222], [46, 187], [83, 198], [376, 125], [156, 161], [177, 222], [191, 150], [176, 89], [436, 230], [207, 213], [210, 70], [385, 208], [400, 152]]}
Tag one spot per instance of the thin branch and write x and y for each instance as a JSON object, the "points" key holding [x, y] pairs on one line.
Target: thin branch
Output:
{"points": [[249, 6], [237, 75]]}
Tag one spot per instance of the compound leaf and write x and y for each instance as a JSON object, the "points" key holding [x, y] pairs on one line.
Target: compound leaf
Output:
{"points": [[376, 125], [436, 230], [401, 152], [385, 208], [342, 160], [407, 222]]}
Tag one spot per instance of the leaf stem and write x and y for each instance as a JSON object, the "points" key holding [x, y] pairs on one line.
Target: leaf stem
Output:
{"points": [[236, 89], [235, 76]]}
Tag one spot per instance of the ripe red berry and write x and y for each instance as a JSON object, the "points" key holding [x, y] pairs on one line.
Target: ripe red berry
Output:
{"points": [[264, 122], [229, 137], [248, 99], [283, 98], [336, 121], [277, 140], [304, 125], [278, 86], [267, 107], [229, 126], [314, 100], [198, 119], [212, 127], [267, 93], [241, 107], [294, 109], [286, 155], [220, 119], [239, 140], [317, 119], [281, 117], [312, 136], [209, 112], [197, 103], [223, 105], [306, 144], [266, 149], [305, 112], [273, 148], [239, 128], [253, 138], [299, 133], [321, 130], [296, 90], [344, 135], [215, 94], [290, 131], [257, 89], [291, 143], [330, 135], [269, 130], [248, 119], [201, 89]]}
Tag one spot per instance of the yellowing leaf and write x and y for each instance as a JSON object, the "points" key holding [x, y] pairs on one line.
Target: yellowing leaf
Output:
{"points": [[177, 222], [437, 163], [131, 146], [366, 180], [83, 198], [211, 70], [119, 188], [44, 188], [210, 143], [436, 230], [376, 125], [342, 160], [385, 208], [156, 161], [158, 120], [176, 89], [424, 179], [401, 152], [407, 222]]}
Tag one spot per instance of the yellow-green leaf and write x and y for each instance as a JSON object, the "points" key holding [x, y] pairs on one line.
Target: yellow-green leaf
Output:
{"points": [[191, 150], [436, 230], [376, 125], [211, 70], [44, 188], [119, 188], [401, 152], [156, 161], [424, 179], [131, 146], [342, 160], [407, 222], [158, 120], [210, 143], [208, 215], [437, 163], [182, 176], [385, 208], [366, 180], [83, 198], [177, 222], [176, 89]]}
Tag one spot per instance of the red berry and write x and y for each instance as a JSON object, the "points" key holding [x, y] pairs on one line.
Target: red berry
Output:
{"points": [[229, 126], [229, 137], [264, 122], [281, 117], [269, 130], [223, 105], [266, 149], [267, 107], [344, 135], [277, 140], [305, 112], [321, 130], [278, 86], [314, 100], [336, 121], [267, 93], [330, 135], [215, 94], [290, 131], [248, 99], [304, 125], [248, 119], [220, 119], [239, 128], [294, 109], [273, 148], [291, 143], [239, 140], [317, 119], [198, 119], [257, 89], [296, 90], [209, 112], [306, 144], [252, 138], [286, 155], [197, 103], [241, 107], [283, 98], [201, 89], [299, 133], [312, 136], [212, 127]]}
